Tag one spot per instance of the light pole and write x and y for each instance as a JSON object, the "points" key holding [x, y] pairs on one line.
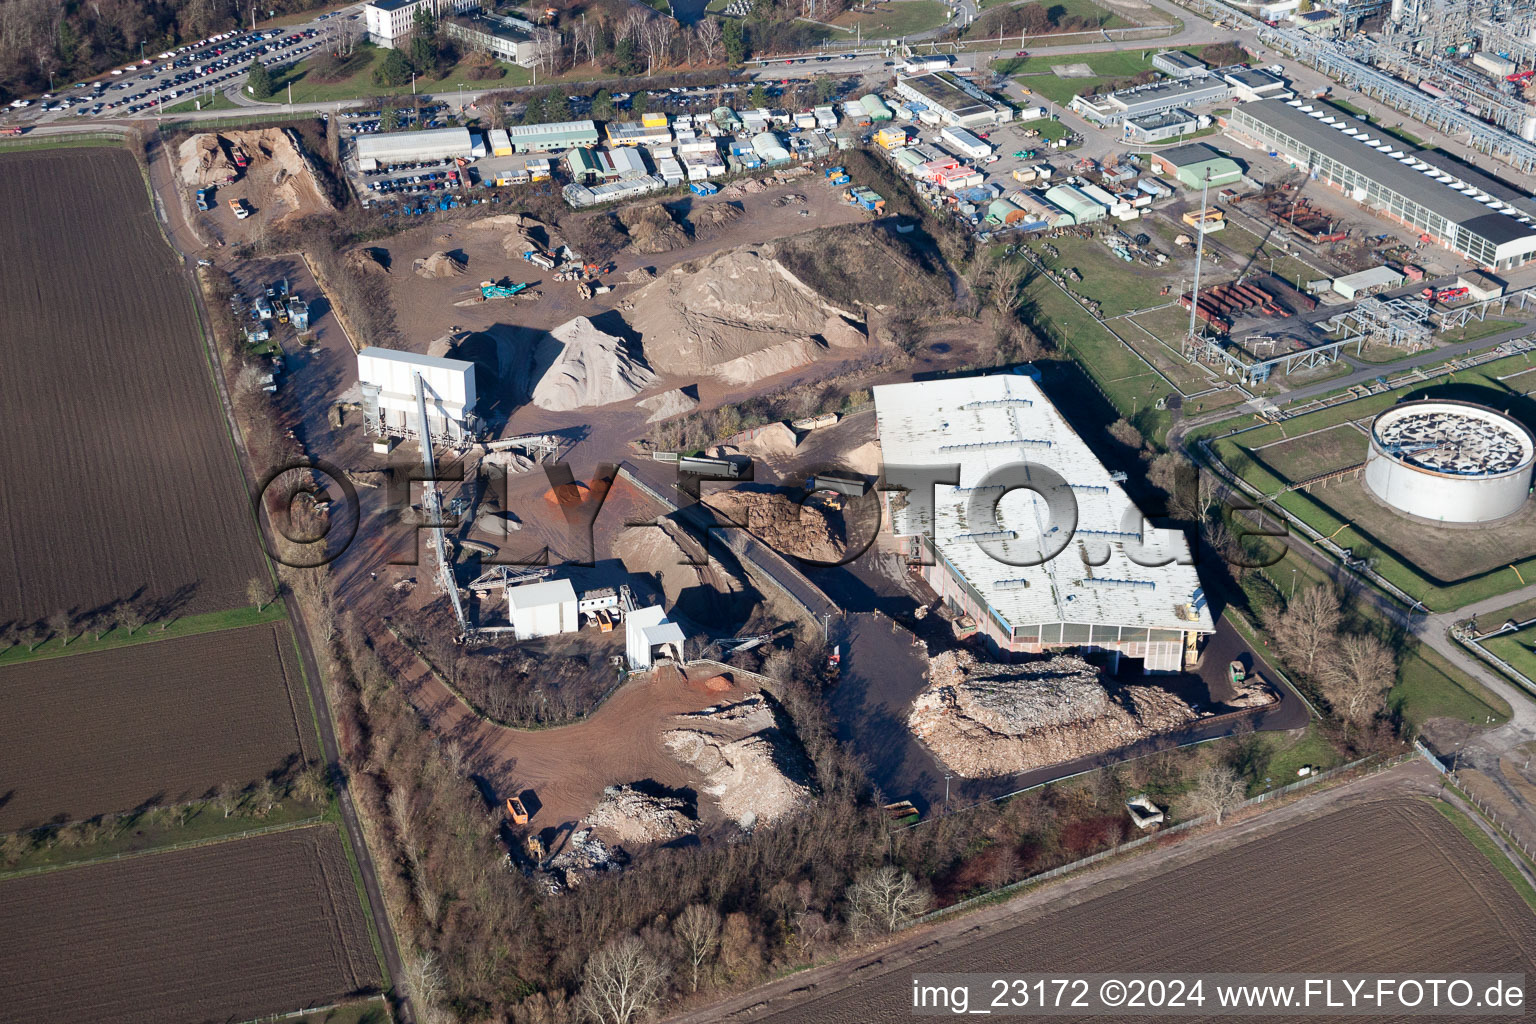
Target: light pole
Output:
{"points": [[1293, 584], [947, 777]]}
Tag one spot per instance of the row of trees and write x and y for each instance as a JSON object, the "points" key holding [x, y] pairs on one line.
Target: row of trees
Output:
{"points": [[1352, 669]]}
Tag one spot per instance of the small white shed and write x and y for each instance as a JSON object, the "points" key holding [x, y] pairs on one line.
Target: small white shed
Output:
{"points": [[648, 635], [542, 609]]}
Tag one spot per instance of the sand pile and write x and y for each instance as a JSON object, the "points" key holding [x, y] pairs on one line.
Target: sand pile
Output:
{"points": [[586, 368], [632, 816], [775, 441], [657, 552], [369, 259], [738, 315], [652, 229], [205, 161], [512, 462], [865, 459], [802, 531], [439, 264], [668, 404], [749, 765], [982, 719]]}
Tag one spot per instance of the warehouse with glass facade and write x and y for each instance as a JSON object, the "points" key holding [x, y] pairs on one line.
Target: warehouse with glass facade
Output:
{"points": [[1391, 178]]}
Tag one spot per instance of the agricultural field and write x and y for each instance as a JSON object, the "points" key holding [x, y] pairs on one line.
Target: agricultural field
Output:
{"points": [[1324, 895], [121, 481], [154, 723], [223, 932]]}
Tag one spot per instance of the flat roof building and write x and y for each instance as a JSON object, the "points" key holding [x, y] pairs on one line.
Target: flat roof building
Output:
{"points": [[389, 23], [1170, 124], [1179, 64], [1390, 178], [1114, 107], [1193, 163], [387, 378], [1060, 558], [1367, 282], [414, 147], [953, 100], [502, 36], [1249, 85], [542, 609], [554, 135], [649, 636]]}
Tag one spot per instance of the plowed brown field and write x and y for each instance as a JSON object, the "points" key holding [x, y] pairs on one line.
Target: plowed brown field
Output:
{"points": [[1389, 888], [155, 723], [119, 477], [224, 932]]}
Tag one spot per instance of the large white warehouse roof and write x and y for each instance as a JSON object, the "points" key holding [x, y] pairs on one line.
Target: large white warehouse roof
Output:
{"points": [[1107, 574], [398, 147]]}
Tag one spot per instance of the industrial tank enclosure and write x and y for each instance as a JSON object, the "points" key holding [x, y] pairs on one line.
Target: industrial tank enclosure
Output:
{"points": [[1449, 461]]}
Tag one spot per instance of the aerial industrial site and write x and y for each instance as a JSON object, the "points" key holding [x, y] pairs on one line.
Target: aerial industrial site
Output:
{"points": [[614, 512]]}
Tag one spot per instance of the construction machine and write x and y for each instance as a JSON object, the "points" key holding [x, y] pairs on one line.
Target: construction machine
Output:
{"points": [[497, 290]]}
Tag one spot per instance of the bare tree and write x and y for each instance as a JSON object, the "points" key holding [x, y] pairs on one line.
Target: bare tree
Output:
{"points": [[698, 931], [710, 37], [227, 797], [127, 615], [1007, 276], [885, 899], [546, 49], [424, 982], [265, 797], [656, 41], [258, 591], [1217, 790], [1124, 431], [31, 635], [630, 27], [1358, 677], [59, 624], [1308, 626], [621, 983]]}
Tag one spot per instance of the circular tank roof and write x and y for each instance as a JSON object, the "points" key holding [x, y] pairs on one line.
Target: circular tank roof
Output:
{"points": [[1453, 438]]}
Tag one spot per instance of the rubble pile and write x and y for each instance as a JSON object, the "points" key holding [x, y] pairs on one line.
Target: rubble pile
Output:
{"points": [[636, 817], [982, 719], [749, 765]]}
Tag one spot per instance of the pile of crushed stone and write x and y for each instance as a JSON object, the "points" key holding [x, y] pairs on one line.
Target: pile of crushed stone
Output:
{"points": [[668, 404], [982, 719], [738, 315], [582, 367], [439, 264]]}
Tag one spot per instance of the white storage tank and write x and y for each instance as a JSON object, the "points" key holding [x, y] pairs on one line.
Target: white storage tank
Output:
{"points": [[1452, 462]]}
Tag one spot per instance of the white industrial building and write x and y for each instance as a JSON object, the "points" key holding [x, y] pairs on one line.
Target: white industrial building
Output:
{"points": [[390, 23], [542, 609], [966, 143], [650, 636], [1074, 565], [1141, 100], [1447, 461], [388, 383], [374, 151], [952, 100]]}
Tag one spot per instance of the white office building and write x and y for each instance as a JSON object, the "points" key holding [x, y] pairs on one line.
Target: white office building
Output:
{"points": [[390, 23]]}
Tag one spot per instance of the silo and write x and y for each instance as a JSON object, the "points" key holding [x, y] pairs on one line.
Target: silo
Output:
{"points": [[1453, 462]]}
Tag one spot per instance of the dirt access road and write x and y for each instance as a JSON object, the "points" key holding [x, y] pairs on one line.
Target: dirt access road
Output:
{"points": [[1226, 899]]}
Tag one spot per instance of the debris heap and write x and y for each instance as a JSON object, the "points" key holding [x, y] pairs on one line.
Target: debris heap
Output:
{"points": [[749, 765], [636, 817], [982, 719]]}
